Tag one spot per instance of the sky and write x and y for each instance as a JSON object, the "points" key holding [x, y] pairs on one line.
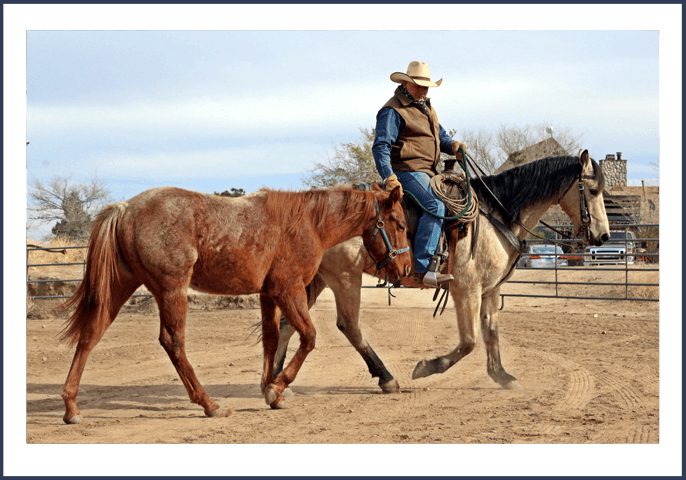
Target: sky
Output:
{"points": [[214, 110]]}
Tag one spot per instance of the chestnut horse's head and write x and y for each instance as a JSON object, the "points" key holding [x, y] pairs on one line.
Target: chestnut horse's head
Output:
{"points": [[584, 203], [386, 240]]}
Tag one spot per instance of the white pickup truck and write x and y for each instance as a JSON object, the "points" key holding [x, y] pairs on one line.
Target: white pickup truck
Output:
{"points": [[617, 250]]}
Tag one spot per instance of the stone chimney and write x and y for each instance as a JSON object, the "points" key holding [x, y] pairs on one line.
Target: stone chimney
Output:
{"points": [[614, 170]]}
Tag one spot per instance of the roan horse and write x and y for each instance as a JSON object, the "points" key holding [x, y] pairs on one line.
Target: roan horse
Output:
{"points": [[270, 243], [481, 263]]}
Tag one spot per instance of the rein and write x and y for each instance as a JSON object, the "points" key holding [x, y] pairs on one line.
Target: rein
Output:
{"points": [[392, 253]]}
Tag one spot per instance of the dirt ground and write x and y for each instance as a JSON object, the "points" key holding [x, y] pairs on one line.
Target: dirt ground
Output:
{"points": [[589, 372]]}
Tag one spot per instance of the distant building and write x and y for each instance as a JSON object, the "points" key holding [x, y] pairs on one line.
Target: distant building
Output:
{"points": [[547, 148], [614, 170]]}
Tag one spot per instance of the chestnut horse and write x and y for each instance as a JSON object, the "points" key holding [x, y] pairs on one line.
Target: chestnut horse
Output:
{"points": [[481, 262], [270, 243]]}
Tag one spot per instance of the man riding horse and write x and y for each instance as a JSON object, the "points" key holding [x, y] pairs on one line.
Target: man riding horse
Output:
{"points": [[407, 148]]}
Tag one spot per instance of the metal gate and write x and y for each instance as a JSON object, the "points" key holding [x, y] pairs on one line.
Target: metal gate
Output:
{"points": [[631, 249], [640, 255], [32, 248]]}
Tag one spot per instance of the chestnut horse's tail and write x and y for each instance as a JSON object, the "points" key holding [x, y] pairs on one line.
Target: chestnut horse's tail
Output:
{"points": [[93, 298]]}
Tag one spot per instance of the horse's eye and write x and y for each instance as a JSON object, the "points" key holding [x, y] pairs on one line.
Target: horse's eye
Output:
{"points": [[401, 228], [594, 192]]}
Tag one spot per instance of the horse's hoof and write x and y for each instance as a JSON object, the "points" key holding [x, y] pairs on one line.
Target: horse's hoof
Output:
{"points": [[391, 386], [513, 385], [218, 413], [270, 395], [287, 393], [423, 369], [75, 420], [278, 404]]}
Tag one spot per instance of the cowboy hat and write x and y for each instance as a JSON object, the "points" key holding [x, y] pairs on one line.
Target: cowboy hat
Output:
{"points": [[417, 72]]}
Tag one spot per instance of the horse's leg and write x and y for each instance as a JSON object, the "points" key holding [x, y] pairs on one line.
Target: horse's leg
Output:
{"points": [[95, 328], [314, 289], [293, 304], [347, 291], [270, 342], [467, 307], [489, 331], [285, 334], [173, 306]]}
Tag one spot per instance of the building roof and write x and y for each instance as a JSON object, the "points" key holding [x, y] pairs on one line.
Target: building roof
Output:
{"points": [[546, 148]]}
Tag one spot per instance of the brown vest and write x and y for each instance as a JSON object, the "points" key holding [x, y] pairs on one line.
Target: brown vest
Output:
{"points": [[418, 147]]}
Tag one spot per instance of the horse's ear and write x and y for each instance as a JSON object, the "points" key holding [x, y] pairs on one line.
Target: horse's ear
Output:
{"points": [[376, 187], [395, 195], [585, 158]]}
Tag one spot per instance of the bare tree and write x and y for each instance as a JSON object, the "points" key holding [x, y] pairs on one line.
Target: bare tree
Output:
{"points": [[480, 147], [351, 162], [71, 204], [514, 139]]}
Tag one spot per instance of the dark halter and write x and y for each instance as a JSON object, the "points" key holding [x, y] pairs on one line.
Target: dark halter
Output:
{"points": [[585, 215], [583, 208], [392, 253]]}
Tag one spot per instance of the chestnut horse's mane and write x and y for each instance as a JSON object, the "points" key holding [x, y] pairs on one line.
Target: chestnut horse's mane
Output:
{"points": [[290, 206]]}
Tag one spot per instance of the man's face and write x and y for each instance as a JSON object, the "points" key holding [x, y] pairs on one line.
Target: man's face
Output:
{"points": [[417, 91]]}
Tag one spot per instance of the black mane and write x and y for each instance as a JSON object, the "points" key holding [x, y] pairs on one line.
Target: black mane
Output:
{"points": [[541, 180]]}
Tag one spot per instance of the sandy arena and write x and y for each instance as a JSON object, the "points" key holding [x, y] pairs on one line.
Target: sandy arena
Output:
{"points": [[589, 372]]}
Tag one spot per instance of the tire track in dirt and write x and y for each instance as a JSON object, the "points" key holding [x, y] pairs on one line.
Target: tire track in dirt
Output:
{"points": [[580, 386], [627, 395], [631, 402], [650, 378], [580, 382]]}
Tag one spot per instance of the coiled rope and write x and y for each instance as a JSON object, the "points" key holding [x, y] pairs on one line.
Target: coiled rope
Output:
{"points": [[462, 210], [465, 210]]}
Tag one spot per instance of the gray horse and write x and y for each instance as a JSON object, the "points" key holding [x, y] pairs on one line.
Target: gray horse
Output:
{"points": [[481, 263]]}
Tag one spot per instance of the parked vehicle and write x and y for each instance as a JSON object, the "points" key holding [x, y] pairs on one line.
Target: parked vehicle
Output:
{"points": [[617, 250], [543, 256]]}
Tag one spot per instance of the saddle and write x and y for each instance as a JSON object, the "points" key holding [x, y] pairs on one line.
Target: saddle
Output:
{"points": [[454, 192]]}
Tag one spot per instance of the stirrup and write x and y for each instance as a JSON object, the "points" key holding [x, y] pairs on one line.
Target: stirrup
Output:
{"points": [[434, 280]]}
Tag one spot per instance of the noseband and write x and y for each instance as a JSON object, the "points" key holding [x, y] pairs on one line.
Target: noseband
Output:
{"points": [[392, 253]]}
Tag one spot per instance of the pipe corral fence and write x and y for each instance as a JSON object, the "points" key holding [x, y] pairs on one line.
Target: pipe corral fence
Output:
{"points": [[627, 252]]}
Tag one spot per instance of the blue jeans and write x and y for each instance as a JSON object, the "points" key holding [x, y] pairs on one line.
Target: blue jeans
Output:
{"points": [[429, 227]]}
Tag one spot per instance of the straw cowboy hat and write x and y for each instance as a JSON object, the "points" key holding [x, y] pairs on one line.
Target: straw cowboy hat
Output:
{"points": [[417, 72]]}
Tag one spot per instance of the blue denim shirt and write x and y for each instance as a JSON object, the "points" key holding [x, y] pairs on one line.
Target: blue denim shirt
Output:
{"points": [[389, 124]]}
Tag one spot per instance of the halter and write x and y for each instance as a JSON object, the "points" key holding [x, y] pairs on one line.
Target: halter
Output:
{"points": [[392, 253], [585, 215]]}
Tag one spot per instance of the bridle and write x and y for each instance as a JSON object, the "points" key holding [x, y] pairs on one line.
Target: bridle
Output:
{"points": [[584, 214], [392, 253], [583, 208]]}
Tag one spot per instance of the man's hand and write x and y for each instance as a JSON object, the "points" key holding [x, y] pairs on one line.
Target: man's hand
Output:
{"points": [[392, 182], [456, 147]]}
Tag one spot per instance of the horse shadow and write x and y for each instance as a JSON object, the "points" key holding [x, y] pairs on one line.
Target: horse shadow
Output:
{"points": [[163, 398]]}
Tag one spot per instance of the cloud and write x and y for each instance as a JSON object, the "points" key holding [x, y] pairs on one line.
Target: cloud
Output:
{"points": [[286, 158], [280, 112]]}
